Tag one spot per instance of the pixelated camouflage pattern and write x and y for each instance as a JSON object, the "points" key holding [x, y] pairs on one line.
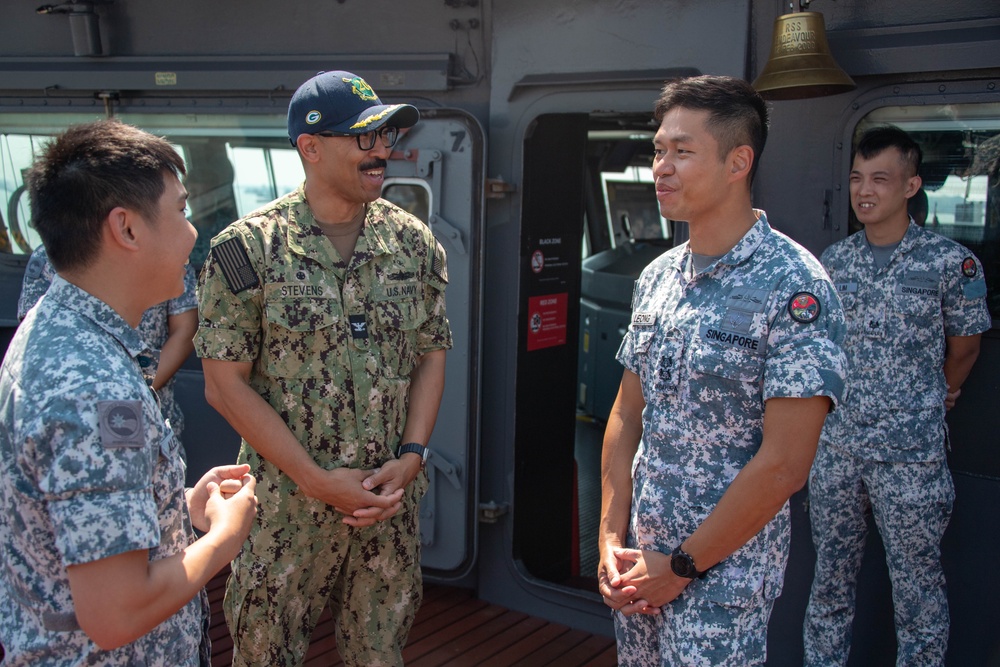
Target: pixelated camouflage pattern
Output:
{"points": [[709, 352], [341, 394], [370, 576], [884, 450], [695, 632], [911, 502], [67, 498], [153, 326], [898, 318]]}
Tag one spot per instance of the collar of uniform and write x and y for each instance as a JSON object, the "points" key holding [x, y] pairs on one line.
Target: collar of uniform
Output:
{"points": [[747, 246], [739, 253], [375, 239], [906, 244], [300, 235], [910, 238], [73, 298], [377, 231]]}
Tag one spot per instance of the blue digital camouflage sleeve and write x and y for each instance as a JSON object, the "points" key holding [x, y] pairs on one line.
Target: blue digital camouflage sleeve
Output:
{"points": [[804, 353], [964, 298], [97, 488]]}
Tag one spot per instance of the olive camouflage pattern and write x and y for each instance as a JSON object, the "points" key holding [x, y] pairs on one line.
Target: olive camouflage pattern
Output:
{"points": [[153, 326], [884, 450], [332, 346], [762, 322], [88, 470]]}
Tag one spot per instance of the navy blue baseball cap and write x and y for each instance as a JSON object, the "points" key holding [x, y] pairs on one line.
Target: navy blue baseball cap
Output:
{"points": [[344, 103]]}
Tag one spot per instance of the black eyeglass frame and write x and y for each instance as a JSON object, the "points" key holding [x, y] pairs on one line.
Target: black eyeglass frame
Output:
{"points": [[388, 134]]}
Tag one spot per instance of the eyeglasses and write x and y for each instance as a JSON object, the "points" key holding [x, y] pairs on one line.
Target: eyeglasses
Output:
{"points": [[388, 134]]}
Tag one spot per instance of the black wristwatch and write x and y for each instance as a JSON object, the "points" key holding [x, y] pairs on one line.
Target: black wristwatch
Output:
{"points": [[683, 565], [415, 448]]}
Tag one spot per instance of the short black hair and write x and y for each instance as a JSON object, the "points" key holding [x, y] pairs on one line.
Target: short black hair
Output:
{"points": [[878, 139], [84, 173], [737, 114]]}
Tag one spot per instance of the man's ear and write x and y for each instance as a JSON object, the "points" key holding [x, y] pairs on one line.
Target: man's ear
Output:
{"points": [[308, 146], [740, 161], [912, 185], [120, 226]]}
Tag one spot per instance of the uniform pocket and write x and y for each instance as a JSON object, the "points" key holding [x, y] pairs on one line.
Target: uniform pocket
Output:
{"points": [[396, 335], [300, 336]]}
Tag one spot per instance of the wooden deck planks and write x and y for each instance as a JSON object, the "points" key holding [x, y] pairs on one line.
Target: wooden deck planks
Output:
{"points": [[452, 629]]}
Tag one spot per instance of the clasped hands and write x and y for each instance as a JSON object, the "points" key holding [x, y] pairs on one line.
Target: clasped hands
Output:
{"points": [[366, 497], [635, 581]]}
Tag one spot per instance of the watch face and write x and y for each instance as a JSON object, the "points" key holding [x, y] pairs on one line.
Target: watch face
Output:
{"points": [[682, 565]]}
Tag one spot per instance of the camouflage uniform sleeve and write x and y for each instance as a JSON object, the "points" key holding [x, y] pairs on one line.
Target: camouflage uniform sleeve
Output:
{"points": [[435, 331], [964, 296], [230, 307], [804, 350], [37, 278], [98, 492], [188, 300]]}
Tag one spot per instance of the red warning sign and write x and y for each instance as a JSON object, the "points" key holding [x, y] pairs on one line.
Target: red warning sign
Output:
{"points": [[546, 321]]}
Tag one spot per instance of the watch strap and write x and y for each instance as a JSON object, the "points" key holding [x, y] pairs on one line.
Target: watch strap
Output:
{"points": [[683, 565], [413, 448]]}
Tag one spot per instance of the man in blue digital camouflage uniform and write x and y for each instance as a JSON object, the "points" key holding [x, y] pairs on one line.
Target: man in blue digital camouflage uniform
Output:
{"points": [[168, 328], [100, 562], [732, 361], [915, 307], [323, 336]]}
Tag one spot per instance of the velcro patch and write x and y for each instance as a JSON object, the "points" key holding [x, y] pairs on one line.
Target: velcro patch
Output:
{"points": [[804, 307], [359, 327], [974, 290], [846, 288], [737, 321], [120, 423], [641, 319], [440, 266], [235, 265], [748, 299]]}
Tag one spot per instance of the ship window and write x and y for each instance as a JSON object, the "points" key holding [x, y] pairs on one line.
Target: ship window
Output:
{"points": [[235, 164], [960, 197]]}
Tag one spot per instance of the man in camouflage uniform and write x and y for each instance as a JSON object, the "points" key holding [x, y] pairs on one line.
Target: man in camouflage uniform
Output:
{"points": [[915, 306], [168, 328], [100, 562], [732, 361], [323, 335]]}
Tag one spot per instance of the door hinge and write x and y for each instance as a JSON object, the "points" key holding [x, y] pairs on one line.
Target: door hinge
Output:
{"points": [[496, 188], [490, 512]]}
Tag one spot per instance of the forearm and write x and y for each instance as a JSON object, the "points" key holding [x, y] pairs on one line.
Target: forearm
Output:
{"points": [[259, 424], [424, 397], [960, 357], [621, 442], [766, 482], [122, 598], [177, 348], [755, 496]]}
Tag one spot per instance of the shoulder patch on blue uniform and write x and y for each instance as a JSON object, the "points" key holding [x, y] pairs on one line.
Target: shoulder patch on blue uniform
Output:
{"points": [[120, 423], [235, 265], [969, 268], [974, 290], [804, 307]]}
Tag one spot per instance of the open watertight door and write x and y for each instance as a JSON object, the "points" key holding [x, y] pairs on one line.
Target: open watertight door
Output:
{"points": [[437, 173]]}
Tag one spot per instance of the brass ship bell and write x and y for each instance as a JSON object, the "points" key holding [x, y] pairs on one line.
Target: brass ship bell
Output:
{"points": [[800, 64]]}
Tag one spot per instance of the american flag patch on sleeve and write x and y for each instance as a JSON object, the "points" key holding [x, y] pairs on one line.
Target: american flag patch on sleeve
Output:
{"points": [[439, 265], [235, 265]]}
